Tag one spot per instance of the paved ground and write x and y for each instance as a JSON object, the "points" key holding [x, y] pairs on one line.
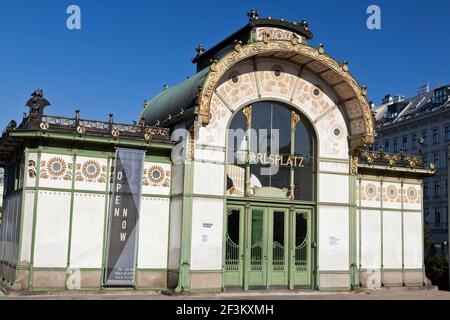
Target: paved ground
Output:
{"points": [[301, 295]]}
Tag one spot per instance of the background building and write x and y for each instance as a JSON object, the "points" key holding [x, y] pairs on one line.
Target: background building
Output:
{"points": [[1, 186], [400, 124]]}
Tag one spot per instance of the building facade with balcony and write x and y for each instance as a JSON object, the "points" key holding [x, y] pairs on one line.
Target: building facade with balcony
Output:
{"points": [[2, 182], [421, 124]]}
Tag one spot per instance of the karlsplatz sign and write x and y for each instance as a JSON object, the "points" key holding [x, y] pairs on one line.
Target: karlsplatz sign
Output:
{"points": [[275, 159], [124, 217]]}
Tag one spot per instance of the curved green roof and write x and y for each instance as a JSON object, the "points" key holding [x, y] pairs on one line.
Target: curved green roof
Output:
{"points": [[174, 100]]}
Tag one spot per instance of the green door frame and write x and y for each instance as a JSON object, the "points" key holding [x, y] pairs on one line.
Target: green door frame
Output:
{"points": [[267, 274], [299, 274]]}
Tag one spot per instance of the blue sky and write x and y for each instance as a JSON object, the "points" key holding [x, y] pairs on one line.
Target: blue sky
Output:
{"points": [[127, 50]]}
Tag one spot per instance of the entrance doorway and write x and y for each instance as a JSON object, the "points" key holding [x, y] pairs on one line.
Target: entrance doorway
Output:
{"points": [[267, 247]]}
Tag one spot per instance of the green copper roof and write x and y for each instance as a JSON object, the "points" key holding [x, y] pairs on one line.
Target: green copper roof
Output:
{"points": [[174, 100]]}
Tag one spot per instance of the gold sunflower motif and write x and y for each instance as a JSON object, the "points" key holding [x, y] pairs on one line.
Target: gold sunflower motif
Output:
{"points": [[391, 192], [371, 191], [91, 169], [412, 194], [56, 167], [156, 174]]}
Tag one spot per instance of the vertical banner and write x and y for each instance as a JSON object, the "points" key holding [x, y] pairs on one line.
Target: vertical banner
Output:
{"points": [[124, 217]]}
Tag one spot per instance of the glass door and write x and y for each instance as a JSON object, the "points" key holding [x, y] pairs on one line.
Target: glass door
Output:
{"points": [[234, 247], [267, 247], [256, 250], [300, 248], [278, 245]]}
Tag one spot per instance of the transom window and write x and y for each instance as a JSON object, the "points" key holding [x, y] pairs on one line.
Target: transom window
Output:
{"points": [[271, 153]]}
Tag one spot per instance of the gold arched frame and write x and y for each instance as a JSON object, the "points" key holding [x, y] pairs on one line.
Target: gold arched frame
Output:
{"points": [[219, 68]]}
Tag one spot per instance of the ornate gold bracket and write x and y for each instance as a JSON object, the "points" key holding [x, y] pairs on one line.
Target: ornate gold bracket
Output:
{"points": [[295, 118], [247, 111]]}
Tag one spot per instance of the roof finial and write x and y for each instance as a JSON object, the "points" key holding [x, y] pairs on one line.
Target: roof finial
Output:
{"points": [[37, 103], [200, 49], [304, 24], [253, 14]]}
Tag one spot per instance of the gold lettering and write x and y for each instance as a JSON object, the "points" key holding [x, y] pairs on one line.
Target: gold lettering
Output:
{"points": [[289, 161], [278, 159], [272, 159], [258, 157]]}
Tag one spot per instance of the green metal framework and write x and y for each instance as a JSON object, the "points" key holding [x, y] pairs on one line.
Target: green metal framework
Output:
{"points": [[259, 258]]}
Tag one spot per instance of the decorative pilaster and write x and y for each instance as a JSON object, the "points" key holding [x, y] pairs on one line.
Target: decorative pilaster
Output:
{"points": [[247, 111], [295, 118]]}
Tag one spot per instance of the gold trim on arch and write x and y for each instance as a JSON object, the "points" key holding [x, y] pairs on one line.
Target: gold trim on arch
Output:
{"points": [[219, 67]]}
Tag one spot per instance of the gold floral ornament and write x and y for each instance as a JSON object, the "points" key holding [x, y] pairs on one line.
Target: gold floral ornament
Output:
{"points": [[156, 176], [56, 167], [91, 169], [370, 192], [31, 169], [392, 193], [412, 195]]}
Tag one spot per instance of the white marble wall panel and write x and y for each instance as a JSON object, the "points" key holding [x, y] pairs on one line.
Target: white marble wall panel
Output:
{"points": [[392, 239], [413, 243], [52, 229], [371, 239], [88, 220], [153, 233], [207, 234], [333, 238], [333, 188], [209, 178], [205, 154], [329, 166]]}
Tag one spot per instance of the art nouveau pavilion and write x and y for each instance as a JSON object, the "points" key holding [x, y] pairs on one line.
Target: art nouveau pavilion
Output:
{"points": [[210, 223]]}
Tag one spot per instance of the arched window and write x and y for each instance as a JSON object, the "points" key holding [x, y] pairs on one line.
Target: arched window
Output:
{"points": [[270, 153]]}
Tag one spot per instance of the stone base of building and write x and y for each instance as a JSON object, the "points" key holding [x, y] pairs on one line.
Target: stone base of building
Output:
{"points": [[22, 279], [392, 278], [334, 280], [206, 280], [43, 279], [151, 279]]}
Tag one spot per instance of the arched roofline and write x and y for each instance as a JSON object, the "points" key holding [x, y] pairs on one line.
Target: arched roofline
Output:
{"points": [[347, 87]]}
